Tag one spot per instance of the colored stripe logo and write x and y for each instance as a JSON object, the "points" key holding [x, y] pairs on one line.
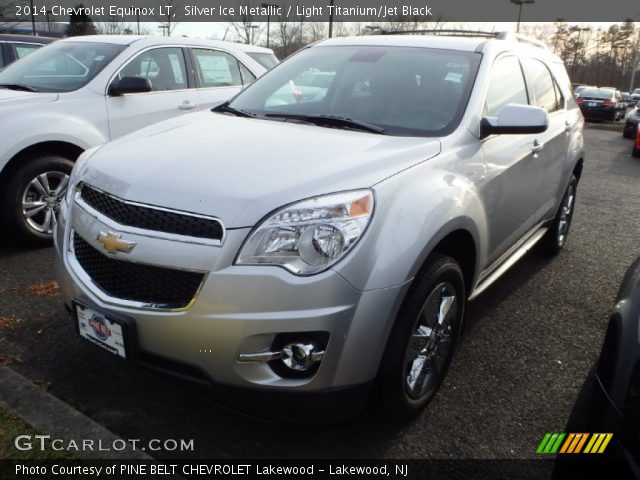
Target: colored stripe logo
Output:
{"points": [[560, 443]]}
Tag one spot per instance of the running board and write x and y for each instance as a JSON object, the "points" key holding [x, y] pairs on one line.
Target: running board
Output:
{"points": [[508, 263]]}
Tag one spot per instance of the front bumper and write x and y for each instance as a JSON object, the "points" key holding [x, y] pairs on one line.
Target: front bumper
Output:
{"points": [[241, 309]]}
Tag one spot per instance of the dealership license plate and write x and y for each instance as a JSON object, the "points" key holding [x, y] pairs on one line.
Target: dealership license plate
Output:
{"points": [[101, 330]]}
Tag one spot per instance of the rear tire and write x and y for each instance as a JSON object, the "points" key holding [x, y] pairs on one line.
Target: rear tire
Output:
{"points": [[636, 153], [556, 237], [423, 339], [31, 200]]}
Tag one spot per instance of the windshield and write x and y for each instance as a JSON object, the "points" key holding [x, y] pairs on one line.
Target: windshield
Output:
{"points": [[267, 60], [60, 67], [405, 91]]}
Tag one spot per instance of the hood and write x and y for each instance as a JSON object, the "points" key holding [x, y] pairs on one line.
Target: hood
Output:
{"points": [[9, 98], [240, 169]]}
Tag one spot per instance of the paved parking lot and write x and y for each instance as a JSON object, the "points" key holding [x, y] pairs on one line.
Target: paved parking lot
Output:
{"points": [[529, 343]]}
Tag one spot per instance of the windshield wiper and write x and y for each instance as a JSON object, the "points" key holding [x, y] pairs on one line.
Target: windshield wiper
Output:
{"points": [[18, 86], [225, 108], [331, 121]]}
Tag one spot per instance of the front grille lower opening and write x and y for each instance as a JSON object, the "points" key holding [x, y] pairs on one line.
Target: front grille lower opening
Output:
{"points": [[147, 284]]}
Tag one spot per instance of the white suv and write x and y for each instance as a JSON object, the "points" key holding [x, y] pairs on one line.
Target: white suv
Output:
{"points": [[82, 92]]}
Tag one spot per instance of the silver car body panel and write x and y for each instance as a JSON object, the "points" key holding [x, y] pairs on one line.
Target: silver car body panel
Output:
{"points": [[240, 170]]}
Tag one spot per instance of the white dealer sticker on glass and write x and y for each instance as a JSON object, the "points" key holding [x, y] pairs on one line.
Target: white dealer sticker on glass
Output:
{"points": [[97, 328]]}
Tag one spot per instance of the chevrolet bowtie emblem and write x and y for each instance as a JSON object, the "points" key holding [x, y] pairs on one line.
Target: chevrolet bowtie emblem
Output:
{"points": [[113, 243]]}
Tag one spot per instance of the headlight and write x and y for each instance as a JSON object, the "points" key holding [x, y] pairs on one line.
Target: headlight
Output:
{"points": [[310, 236], [77, 167]]}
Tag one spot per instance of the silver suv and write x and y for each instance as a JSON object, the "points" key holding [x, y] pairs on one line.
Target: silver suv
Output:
{"points": [[327, 244]]}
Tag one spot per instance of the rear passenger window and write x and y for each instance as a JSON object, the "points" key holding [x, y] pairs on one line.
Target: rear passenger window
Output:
{"points": [[542, 84], [506, 85]]}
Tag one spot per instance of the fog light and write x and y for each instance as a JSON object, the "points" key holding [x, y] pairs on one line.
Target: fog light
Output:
{"points": [[300, 356]]}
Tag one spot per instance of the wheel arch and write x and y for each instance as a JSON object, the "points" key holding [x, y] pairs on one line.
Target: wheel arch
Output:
{"points": [[64, 149]]}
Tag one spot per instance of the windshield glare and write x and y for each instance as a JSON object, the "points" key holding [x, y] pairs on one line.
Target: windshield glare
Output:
{"points": [[61, 67], [406, 91]]}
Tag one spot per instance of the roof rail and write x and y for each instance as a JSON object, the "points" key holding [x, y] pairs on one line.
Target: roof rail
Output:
{"points": [[511, 36], [448, 33], [517, 37]]}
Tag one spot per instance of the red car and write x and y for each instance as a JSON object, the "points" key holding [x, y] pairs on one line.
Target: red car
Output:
{"points": [[636, 147]]}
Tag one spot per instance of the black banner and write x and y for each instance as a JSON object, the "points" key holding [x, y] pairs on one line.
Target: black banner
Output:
{"points": [[326, 10], [582, 468]]}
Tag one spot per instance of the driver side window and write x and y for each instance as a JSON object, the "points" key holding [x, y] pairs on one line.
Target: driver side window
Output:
{"points": [[506, 85], [163, 67]]}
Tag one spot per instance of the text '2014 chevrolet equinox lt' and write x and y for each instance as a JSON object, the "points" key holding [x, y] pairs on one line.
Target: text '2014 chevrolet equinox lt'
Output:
{"points": [[326, 242]]}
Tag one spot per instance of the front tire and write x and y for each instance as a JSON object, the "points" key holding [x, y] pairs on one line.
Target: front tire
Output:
{"points": [[556, 238], [32, 199], [423, 339]]}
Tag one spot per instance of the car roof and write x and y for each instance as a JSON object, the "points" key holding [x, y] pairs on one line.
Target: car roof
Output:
{"points": [[428, 41], [145, 41], [486, 42], [9, 37]]}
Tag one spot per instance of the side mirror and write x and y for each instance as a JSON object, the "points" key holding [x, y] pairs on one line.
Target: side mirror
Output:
{"points": [[129, 85], [515, 119]]}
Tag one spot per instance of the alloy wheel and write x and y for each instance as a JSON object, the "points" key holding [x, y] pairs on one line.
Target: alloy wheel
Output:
{"points": [[41, 200], [432, 341]]}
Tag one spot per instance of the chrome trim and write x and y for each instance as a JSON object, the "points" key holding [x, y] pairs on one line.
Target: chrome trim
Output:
{"points": [[87, 282], [265, 357], [508, 263], [175, 237]]}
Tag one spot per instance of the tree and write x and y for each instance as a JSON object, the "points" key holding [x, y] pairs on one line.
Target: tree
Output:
{"points": [[170, 10], [80, 24], [7, 14], [247, 30]]}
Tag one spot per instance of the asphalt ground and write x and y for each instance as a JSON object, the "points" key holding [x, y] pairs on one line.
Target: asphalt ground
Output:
{"points": [[528, 345]]}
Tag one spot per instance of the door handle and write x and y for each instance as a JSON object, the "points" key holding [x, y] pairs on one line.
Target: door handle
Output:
{"points": [[537, 147], [187, 105], [567, 126]]}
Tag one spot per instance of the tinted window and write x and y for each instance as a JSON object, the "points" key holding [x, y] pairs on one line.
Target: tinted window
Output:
{"points": [[506, 85], [1, 57], [163, 67], [217, 69], [23, 49], [542, 84], [267, 60], [597, 93], [406, 91], [62, 66]]}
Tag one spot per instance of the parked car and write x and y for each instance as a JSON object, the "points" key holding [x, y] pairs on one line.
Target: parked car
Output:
{"points": [[579, 88], [15, 47], [634, 97], [611, 400], [81, 92], [631, 124], [636, 148], [326, 247], [601, 104]]}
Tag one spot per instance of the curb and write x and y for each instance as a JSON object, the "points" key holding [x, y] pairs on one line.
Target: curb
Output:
{"points": [[48, 414]]}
